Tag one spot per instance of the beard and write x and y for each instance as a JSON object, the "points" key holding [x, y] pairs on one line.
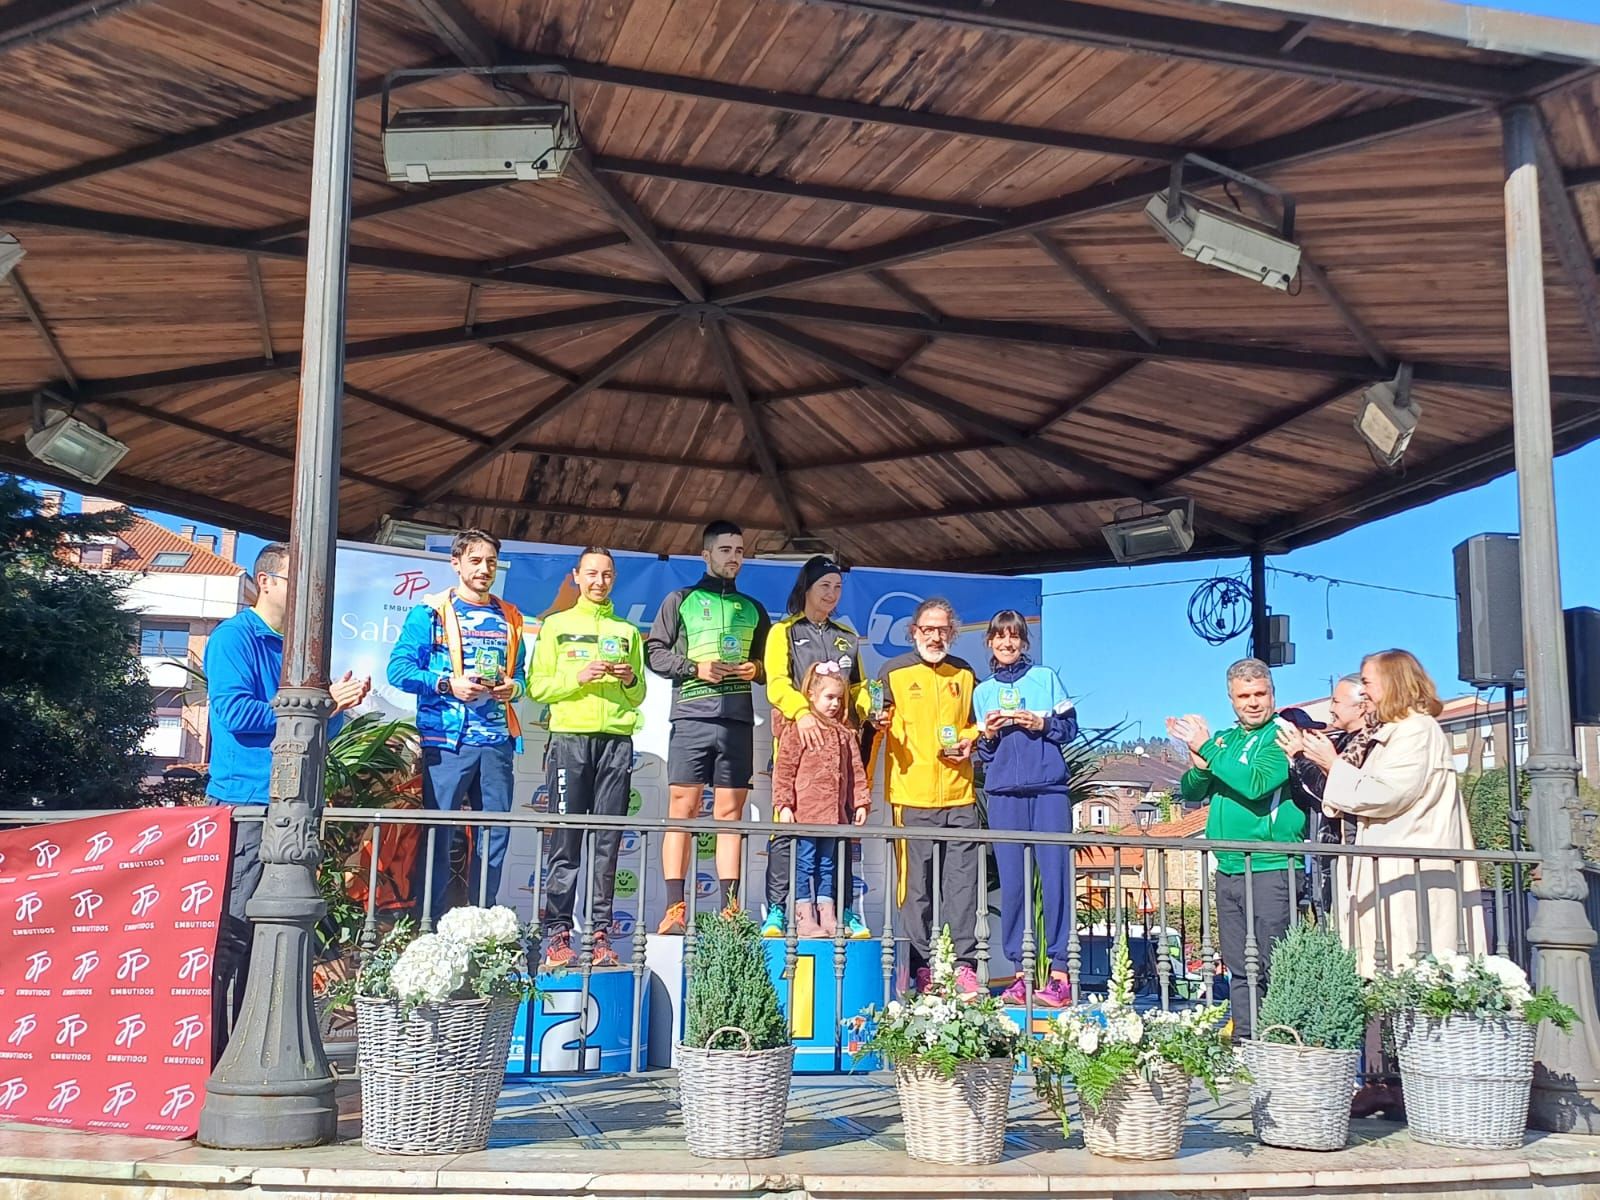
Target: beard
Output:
{"points": [[933, 657]]}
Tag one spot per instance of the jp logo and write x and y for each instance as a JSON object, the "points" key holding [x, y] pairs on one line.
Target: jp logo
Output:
{"points": [[178, 1099], [148, 837], [45, 854], [118, 1097], [98, 844], [627, 883], [66, 1092], [888, 627]]}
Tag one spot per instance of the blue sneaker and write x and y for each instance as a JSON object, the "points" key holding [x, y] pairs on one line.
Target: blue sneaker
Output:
{"points": [[773, 926], [854, 927]]}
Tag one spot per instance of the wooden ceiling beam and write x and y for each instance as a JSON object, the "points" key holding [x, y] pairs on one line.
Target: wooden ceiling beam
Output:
{"points": [[131, 489], [1034, 333], [214, 237], [227, 130], [1577, 177], [1567, 234], [722, 354], [982, 423], [1261, 431], [42, 327], [1097, 290], [850, 110], [583, 245], [258, 295], [1329, 137], [411, 198], [772, 185], [27, 22], [748, 245], [589, 317], [542, 411], [1261, 49]]}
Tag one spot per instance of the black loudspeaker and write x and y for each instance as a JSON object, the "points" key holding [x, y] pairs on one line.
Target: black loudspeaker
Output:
{"points": [[1583, 664], [1489, 610]]}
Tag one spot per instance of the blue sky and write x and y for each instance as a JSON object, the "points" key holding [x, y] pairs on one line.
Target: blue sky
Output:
{"points": [[1129, 654]]}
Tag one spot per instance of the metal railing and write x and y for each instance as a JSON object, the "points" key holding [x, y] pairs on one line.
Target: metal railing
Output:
{"points": [[1134, 902]]}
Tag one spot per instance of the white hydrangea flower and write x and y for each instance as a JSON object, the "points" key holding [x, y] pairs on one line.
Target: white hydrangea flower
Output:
{"points": [[430, 969], [1088, 1039], [472, 924], [1510, 975]]}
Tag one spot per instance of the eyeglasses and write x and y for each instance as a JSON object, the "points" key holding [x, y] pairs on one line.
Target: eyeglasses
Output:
{"points": [[930, 629], [274, 575]]}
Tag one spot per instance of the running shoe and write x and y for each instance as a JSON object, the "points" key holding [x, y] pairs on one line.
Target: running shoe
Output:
{"points": [[558, 951], [854, 927], [1017, 993], [773, 926], [1055, 994], [967, 981], [673, 920], [602, 955]]}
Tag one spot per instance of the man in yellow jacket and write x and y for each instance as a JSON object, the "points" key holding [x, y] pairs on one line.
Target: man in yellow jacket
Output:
{"points": [[588, 666], [929, 733]]}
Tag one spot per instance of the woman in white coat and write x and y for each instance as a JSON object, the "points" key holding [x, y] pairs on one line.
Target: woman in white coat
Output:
{"points": [[1405, 794]]}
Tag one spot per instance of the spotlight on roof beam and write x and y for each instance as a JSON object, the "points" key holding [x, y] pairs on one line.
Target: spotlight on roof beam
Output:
{"points": [[11, 253], [68, 444], [449, 145], [1157, 530], [409, 535], [1225, 238], [1389, 417]]}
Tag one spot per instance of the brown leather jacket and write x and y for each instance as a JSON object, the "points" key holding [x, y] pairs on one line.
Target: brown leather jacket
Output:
{"points": [[821, 787]]}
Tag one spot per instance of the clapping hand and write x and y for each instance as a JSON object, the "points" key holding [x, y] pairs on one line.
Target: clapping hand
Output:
{"points": [[348, 691], [1319, 749]]}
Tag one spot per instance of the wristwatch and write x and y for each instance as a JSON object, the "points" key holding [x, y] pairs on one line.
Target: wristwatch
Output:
{"points": [[443, 685]]}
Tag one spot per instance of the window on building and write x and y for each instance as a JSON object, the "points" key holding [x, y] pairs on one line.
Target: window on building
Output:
{"points": [[1099, 814], [170, 558], [164, 639]]}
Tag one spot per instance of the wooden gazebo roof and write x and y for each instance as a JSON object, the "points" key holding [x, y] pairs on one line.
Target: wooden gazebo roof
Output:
{"points": [[871, 271]]}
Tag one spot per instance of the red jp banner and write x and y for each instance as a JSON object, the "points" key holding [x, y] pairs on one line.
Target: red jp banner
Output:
{"points": [[110, 928]]}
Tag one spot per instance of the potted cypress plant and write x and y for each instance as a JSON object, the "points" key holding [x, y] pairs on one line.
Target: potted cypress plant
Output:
{"points": [[953, 1056], [1303, 1066], [735, 1060]]}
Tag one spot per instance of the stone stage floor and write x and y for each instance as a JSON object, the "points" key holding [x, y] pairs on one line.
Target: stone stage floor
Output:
{"points": [[620, 1137]]}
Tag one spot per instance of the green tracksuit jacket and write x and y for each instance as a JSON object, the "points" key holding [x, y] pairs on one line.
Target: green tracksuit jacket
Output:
{"points": [[1246, 781], [567, 642]]}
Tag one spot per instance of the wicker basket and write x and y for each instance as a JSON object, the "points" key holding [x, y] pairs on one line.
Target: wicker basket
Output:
{"points": [[734, 1101], [960, 1120], [1466, 1079], [430, 1081], [1139, 1118], [1300, 1095]]}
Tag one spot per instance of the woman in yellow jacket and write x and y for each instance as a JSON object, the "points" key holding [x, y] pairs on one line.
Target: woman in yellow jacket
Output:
{"points": [[809, 634]]}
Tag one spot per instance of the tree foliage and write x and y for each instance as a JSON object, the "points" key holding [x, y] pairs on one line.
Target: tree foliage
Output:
{"points": [[1315, 990], [730, 986], [74, 702]]}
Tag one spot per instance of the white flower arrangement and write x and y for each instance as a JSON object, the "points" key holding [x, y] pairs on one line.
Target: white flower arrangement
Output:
{"points": [[939, 1027], [476, 952], [1450, 984], [1096, 1045]]}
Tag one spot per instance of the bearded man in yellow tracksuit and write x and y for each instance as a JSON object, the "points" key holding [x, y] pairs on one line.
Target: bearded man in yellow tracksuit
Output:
{"points": [[588, 666], [929, 733]]}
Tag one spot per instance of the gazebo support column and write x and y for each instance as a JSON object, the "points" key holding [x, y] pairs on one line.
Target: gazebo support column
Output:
{"points": [[1566, 1089], [273, 1089], [1258, 602]]}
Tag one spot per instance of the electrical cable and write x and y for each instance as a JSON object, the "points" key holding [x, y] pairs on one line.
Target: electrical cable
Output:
{"points": [[1219, 609]]}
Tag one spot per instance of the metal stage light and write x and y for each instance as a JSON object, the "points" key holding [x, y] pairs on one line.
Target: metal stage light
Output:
{"points": [[531, 140], [409, 535], [62, 441], [11, 253], [1218, 237], [1389, 417], [1157, 530]]}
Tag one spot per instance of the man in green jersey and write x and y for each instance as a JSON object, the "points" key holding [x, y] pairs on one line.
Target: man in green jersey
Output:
{"points": [[1244, 775], [588, 666], [708, 639]]}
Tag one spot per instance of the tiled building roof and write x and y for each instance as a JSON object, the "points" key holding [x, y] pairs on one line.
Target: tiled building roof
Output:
{"points": [[145, 546]]}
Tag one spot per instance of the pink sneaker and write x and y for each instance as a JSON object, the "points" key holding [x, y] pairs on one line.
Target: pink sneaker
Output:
{"points": [[1055, 994], [967, 981], [1017, 993]]}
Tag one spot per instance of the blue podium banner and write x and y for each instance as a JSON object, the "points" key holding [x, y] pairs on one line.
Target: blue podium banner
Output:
{"points": [[815, 1018], [560, 1034]]}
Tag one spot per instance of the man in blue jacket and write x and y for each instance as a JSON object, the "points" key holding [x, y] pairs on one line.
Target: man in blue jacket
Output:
{"points": [[243, 667], [460, 653]]}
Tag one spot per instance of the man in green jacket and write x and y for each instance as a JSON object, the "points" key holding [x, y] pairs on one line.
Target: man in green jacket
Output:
{"points": [[588, 666], [1244, 775]]}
